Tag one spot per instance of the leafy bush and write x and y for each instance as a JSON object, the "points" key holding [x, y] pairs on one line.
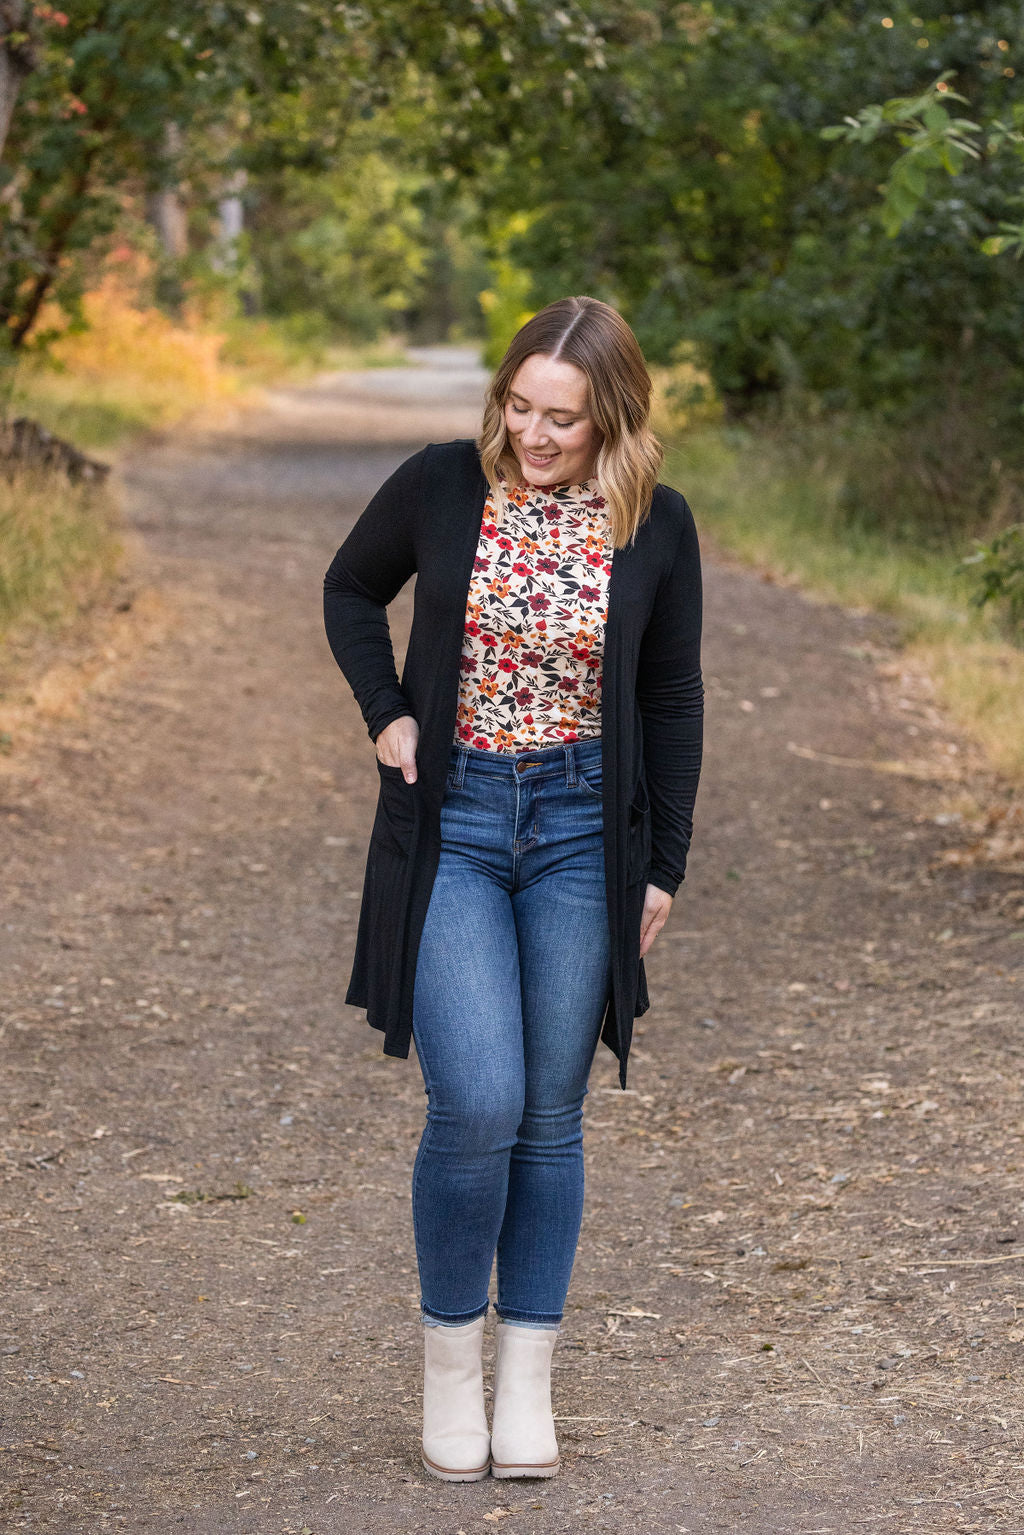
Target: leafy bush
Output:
{"points": [[127, 367], [998, 568]]}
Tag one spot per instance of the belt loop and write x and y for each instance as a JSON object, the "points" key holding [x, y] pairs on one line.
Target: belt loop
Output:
{"points": [[570, 765], [460, 769]]}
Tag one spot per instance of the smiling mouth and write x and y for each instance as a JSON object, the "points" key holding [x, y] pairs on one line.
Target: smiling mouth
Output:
{"points": [[540, 461]]}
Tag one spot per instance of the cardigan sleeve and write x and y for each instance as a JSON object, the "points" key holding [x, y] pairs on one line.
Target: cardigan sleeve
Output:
{"points": [[670, 695], [369, 570]]}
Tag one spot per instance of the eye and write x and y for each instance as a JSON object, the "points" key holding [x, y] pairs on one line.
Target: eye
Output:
{"points": [[564, 423], [520, 410]]}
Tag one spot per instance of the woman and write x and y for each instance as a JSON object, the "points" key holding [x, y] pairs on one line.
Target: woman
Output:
{"points": [[538, 768]]}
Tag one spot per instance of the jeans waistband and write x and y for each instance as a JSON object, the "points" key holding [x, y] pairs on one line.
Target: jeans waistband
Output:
{"points": [[567, 759]]}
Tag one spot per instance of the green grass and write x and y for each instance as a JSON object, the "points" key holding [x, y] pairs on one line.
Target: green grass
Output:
{"points": [[266, 351], [134, 370], [59, 548], [102, 423], [778, 504], [786, 516]]}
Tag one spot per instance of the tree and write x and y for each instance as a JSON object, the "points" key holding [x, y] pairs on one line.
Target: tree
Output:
{"points": [[690, 184], [93, 119], [935, 145], [17, 57]]}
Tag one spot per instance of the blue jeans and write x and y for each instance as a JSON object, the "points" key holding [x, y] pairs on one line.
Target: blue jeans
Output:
{"points": [[512, 979]]}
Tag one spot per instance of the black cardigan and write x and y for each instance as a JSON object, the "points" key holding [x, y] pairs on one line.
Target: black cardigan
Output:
{"points": [[425, 520]]}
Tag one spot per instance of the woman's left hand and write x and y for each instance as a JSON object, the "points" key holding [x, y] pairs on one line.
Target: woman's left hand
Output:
{"points": [[657, 905]]}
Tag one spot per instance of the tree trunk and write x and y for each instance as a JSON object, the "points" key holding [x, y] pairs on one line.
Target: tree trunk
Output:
{"points": [[166, 213], [10, 80], [230, 221], [164, 207], [60, 229], [15, 63]]}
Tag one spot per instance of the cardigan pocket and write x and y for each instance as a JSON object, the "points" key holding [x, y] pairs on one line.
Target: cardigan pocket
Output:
{"points": [[378, 959], [396, 810], [638, 861]]}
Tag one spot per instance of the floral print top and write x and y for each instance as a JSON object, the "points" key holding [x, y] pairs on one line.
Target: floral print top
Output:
{"points": [[535, 618]]}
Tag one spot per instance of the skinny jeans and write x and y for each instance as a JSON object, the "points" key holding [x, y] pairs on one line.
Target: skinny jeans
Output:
{"points": [[512, 979]]}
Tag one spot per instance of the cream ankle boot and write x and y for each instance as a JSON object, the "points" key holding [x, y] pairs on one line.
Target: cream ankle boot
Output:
{"points": [[456, 1445], [523, 1434]]}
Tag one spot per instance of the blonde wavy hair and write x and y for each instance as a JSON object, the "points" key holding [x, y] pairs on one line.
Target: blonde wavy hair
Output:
{"points": [[596, 339]]}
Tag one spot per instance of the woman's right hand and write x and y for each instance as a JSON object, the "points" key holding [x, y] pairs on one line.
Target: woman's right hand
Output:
{"points": [[396, 745]]}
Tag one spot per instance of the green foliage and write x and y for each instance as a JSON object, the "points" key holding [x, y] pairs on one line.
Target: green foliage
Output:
{"points": [[710, 168], [933, 143], [346, 246], [692, 186], [998, 568], [506, 308], [931, 139], [129, 98], [505, 302], [92, 116]]}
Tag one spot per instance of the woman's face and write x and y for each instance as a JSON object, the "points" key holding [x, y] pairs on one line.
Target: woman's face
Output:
{"points": [[547, 415]]}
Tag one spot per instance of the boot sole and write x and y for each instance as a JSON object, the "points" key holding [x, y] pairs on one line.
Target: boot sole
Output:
{"points": [[545, 1468], [444, 1474]]}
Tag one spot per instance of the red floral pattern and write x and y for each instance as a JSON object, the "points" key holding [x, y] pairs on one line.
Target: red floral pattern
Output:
{"points": [[535, 617]]}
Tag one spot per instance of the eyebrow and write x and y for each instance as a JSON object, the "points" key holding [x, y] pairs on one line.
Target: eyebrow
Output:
{"points": [[557, 410]]}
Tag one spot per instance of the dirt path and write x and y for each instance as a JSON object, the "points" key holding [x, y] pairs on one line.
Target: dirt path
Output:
{"points": [[795, 1306]]}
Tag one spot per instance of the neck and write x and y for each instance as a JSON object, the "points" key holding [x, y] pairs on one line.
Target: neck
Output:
{"points": [[541, 490]]}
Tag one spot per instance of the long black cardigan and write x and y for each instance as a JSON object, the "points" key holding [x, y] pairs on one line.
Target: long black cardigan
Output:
{"points": [[426, 520]]}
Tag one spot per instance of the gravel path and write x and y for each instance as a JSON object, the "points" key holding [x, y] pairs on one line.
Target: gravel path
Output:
{"points": [[796, 1303]]}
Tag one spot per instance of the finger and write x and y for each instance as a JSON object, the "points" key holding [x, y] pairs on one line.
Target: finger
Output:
{"points": [[650, 931]]}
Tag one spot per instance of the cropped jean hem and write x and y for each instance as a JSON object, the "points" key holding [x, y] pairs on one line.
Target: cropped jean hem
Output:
{"points": [[439, 1319], [527, 1318]]}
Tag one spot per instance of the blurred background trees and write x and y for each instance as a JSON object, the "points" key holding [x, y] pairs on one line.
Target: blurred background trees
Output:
{"points": [[725, 171]]}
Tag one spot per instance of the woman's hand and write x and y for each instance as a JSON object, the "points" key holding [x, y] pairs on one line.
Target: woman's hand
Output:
{"points": [[396, 745], [657, 905]]}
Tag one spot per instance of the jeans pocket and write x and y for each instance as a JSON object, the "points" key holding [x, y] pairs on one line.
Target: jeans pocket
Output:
{"points": [[590, 783]]}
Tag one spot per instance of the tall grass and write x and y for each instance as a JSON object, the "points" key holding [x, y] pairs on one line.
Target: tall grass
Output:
{"points": [[779, 500], [59, 548], [783, 510], [129, 369], [133, 368]]}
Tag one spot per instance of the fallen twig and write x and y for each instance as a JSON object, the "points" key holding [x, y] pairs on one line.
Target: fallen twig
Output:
{"points": [[920, 771], [958, 1263], [813, 1372]]}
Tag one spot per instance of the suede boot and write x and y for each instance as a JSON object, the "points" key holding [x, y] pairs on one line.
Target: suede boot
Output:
{"points": [[523, 1439], [456, 1445]]}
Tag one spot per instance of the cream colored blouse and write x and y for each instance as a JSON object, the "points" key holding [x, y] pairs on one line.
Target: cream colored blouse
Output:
{"points": [[535, 621]]}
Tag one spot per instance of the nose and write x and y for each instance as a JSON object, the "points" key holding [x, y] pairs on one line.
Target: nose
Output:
{"points": [[533, 434]]}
